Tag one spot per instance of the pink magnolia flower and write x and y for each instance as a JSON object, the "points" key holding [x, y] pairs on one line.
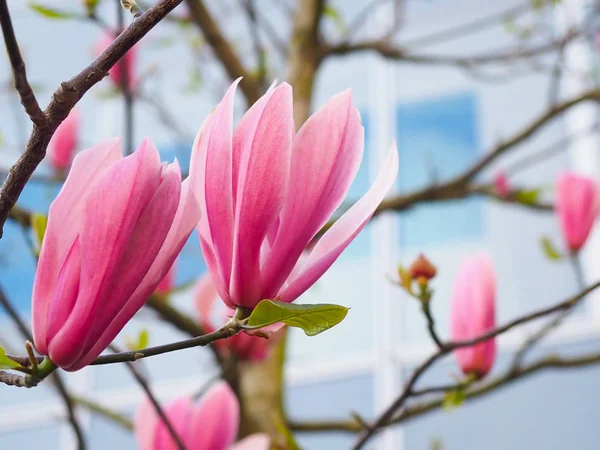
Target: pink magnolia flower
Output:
{"points": [[501, 184], [243, 345], [211, 424], [168, 282], [129, 61], [473, 313], [63, 144], [577, 206], [265, 193], [113, 232]]}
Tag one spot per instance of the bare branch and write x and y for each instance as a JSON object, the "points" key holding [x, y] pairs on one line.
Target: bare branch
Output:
{"points": [[28, 100], [223, 50], [65, 98]]}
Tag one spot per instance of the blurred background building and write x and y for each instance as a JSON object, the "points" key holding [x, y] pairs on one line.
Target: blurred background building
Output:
{"points": [[443, 118]]}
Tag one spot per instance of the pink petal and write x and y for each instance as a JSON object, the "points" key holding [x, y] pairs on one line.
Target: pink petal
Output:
{"points": [[204, 298], [262, 182], [215, 420], [107, 226], [63, 144], [339, 236], [218, 182], [145, 423], [252, 442], [88, 166], [179, 412], [197, 177], [186, 218], [326, 157]]}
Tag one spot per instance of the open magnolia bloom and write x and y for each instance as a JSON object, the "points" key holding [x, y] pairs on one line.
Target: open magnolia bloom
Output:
{"points": [[265, 192], [210, 424], [113, 233]]}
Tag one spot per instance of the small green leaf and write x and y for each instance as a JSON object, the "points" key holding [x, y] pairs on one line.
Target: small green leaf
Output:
{"points": [[142, 341], [527, 197], [313, 319], [50, 13], [6, 362], [39, 222], [335, 16], [549, 249], [405, 279], [453, 399]]}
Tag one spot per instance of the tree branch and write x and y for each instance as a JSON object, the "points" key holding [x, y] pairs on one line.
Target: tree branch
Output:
{"points": [[65, 98], [448, 347], [223, 50], [28, 100]]}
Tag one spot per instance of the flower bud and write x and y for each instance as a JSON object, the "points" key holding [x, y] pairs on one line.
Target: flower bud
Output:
{"points": [[422, 270]]}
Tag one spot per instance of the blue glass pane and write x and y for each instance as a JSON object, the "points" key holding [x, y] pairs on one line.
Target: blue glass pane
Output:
{"points": [[550, 410], [105, 434], [46, 437], [437, 139], [329, 400]]}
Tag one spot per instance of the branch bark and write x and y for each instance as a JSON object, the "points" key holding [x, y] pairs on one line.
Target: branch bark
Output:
{"points": [[65, 98]]}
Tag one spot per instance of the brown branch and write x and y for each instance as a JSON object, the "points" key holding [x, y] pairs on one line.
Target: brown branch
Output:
{"points": [[419, 409], [223, 50], [65, 98], [28, 100], [56, 378], [402, 54], [141, 380], [448, 347]]}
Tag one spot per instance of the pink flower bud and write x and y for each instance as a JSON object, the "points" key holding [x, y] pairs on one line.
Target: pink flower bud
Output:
{"points": [[63, 144], [577, 206], [473, 313], [501, 184], [256, 221], [243, 346], [127, 218], [168, 282], [128, 61], [211, 424]]}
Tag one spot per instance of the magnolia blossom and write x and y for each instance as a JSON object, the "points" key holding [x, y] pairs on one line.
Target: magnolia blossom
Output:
{"points": [[63, 144], [501, 184], [577, 206], [113, 232], [265, 192], [129, 61], [168, 282], [211, 424], [473, 313], [244, 346]]}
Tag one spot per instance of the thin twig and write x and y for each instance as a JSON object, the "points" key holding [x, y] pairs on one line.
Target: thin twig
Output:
{"points": [[141, 380], [22, 85], [65, 98], [98, 408], [56, 378], [125, 86]]}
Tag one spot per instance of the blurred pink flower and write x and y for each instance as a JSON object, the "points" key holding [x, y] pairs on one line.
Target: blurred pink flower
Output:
{"points": [[211, 424], [129, 61], [113, 232], [167, 284], [577, 206], [265, 192], [473, 313], [501, 184], [63, 144]]}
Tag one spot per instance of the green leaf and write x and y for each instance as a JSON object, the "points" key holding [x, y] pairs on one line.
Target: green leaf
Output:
{"points": [[527, 197], [39, 222], [453, 399], [6, 362], [549, 249], [335, 16], [50, 13], [313, 319], [142, 341]]}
